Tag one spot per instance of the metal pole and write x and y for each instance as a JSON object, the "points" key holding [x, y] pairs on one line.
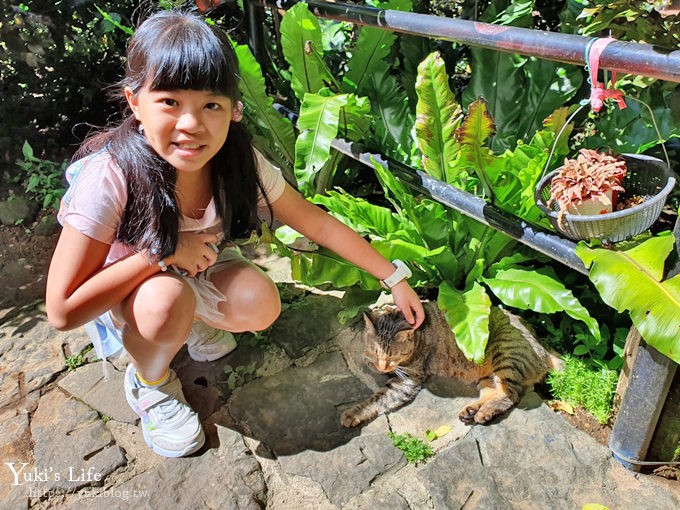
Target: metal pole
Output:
{"points": [[254, 19], [625, 57], [475, 207]]}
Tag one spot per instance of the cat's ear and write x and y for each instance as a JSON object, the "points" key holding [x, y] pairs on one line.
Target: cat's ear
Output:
{"points": [[405, 335], [368, 321]]}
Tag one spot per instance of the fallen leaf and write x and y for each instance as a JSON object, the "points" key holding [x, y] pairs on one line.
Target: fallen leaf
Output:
{"points": [[431, 435], [566, 407], [594, 506]]}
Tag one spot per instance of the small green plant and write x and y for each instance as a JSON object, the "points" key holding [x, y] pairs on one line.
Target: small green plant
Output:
{"points": [[75, 361], [240, 375], [415, 450], [43, 180], [105, 418], [589, 384]]}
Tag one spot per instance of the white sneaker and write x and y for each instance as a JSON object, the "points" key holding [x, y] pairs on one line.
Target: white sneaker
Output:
{"points": [[208, 344], [170, 427]]}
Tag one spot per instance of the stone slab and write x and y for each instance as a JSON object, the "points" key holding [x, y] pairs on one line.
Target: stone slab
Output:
{"points": [[72, 449], [223, 478], [87, 384], [303, 326], [533, 459]]}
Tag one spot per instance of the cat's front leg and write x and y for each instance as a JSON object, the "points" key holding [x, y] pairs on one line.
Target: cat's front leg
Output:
{"points": [[395, 394]]}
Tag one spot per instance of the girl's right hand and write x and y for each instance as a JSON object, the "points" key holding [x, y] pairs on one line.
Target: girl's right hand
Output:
{"points": [[194, 252]]}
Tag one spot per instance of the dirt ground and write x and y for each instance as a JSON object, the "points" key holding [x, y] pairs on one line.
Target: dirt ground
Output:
{"points": [[24, 260]]}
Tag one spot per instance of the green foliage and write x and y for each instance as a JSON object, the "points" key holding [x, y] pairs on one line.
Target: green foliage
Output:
{"points": [[77, 360], [438, 116], [273, 134], [301, 44], [43, 180], [56, 58], [631, 21], [240, 375], [630, 277], [587, 384], [415, 450]]}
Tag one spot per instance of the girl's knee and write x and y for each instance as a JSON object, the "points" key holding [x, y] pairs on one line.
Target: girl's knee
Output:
{"points": [[253, 301], [163, 308]]}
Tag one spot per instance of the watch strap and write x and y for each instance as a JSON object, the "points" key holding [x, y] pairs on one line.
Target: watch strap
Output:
{"points": [[401, 272]]}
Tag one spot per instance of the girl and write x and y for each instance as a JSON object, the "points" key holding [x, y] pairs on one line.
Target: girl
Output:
{"points": [[162, 190]]}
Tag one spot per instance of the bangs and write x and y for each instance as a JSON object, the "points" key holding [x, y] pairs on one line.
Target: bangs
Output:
{"points": [[186, 63], [173, 52]]}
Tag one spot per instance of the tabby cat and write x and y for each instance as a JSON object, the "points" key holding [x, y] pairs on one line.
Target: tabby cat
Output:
{"points": [[514, 361]]}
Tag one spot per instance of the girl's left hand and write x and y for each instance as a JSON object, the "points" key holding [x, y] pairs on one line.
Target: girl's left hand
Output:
{"points": [[408, 303]]}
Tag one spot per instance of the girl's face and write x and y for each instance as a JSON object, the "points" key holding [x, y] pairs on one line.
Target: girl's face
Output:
{"points": [[185, 127]]}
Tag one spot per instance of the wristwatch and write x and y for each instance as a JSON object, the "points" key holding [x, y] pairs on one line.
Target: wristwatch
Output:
{"points": [[401, 272]]}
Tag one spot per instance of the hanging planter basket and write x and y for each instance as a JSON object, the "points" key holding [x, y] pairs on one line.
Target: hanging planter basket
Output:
{"points": [[647, 177]]}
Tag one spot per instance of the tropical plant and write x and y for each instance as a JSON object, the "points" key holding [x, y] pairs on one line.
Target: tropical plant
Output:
{"points": [[630, 277], [450, 252]]}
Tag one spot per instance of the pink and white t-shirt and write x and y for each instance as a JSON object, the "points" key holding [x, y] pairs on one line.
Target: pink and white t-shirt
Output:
{"points": [[95, 200]]}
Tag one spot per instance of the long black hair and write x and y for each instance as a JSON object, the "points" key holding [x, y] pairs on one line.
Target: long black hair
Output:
{"points": [[173, 50]]}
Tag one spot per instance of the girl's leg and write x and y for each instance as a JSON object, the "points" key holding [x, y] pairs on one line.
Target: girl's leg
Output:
{"points": [[158, 317], [253, 301]]}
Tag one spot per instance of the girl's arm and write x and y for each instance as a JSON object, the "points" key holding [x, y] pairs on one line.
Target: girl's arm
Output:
{"points": [[79, 289], [314, 223]]}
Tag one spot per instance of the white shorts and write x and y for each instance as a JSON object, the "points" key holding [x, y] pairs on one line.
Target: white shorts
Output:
{"points": [[106, 333]]}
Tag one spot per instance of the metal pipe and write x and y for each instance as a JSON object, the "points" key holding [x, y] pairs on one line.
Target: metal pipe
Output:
{"points": [[625, 57], [534, 236], [254, 19]]}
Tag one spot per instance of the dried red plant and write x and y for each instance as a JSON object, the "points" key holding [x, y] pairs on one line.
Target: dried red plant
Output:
{"points": [[591, 176]]}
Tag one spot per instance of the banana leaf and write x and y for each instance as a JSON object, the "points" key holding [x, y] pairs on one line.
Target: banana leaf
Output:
{"points": [[631, 279], [467, 313], [368, 57], [534, 290], [318, 124], [476, 128], [438, 115], [274, 134], [300, 42]]}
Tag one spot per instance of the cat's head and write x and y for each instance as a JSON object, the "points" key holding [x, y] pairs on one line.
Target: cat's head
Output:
{"points": [[390, 341]]}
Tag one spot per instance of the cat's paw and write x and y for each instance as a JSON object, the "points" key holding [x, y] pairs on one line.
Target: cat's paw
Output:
{"points": [[468, 413], [351, 418]]}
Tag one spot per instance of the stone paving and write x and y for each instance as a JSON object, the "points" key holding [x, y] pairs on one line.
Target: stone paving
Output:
{"points": [[271, 412]]}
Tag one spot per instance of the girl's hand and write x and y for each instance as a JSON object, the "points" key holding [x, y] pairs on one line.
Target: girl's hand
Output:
{"points": [[195, 252], [408, 303]]}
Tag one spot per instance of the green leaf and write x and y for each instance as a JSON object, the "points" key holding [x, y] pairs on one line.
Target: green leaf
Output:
{"points": [[324, 267], [355, 118], [368, 56], [438, 115], [531, 290], [277, 140], [392, 117], [468, 316], [318, 124], [629, 279], [496, 77], [300, 37], [477, 127], [549, 85], [354, 301], [27, 151]]}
